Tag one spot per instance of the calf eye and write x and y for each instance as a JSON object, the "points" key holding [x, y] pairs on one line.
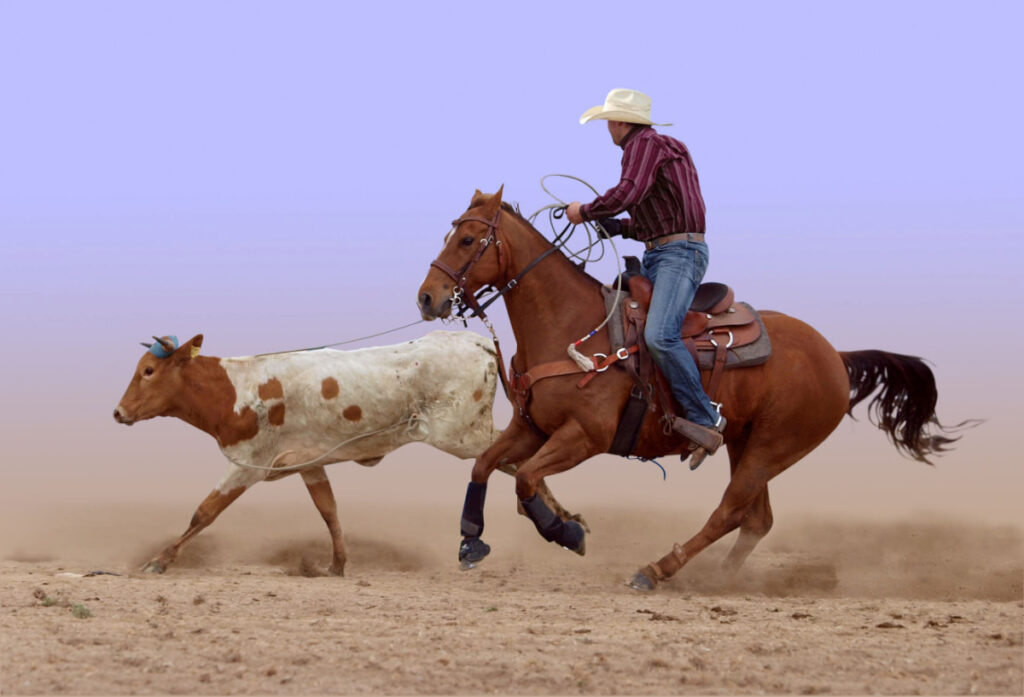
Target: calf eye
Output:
{"points": [[147, 371], [466, 241]]}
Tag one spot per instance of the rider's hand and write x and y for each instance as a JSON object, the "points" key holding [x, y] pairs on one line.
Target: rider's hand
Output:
{"points": [[572, 212], [612, 226]]}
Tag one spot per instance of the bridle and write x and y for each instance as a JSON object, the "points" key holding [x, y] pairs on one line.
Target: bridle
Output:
{"points": [[460, 297]]}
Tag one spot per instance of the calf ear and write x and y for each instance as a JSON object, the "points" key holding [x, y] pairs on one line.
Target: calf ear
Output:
{"points": [[190, 349]]}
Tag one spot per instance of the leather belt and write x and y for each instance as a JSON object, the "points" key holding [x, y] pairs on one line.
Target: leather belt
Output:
{"points": [[677, 237]]}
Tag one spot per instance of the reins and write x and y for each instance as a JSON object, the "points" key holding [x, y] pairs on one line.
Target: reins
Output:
{"points": [[461, 300]]}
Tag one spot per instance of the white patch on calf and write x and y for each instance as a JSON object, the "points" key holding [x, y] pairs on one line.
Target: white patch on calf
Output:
{"points": [[433, 378]]}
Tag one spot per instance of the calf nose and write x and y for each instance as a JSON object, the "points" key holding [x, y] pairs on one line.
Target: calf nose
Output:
{"points": [[119, 415]]}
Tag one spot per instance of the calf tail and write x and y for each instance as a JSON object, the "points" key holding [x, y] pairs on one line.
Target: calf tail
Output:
{"points": [[905, 406]]}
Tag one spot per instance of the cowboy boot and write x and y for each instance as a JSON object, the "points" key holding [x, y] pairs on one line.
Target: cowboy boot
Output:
{"points": [[700, 450]]}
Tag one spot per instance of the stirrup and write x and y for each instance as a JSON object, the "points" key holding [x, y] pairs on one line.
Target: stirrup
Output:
{"points": [[707, 438], [699, 453]]}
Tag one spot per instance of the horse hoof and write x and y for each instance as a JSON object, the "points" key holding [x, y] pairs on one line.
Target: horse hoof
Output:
{"points": [[153, 567], [577, 538], [472, 551], [641, 582], [581, 520]]}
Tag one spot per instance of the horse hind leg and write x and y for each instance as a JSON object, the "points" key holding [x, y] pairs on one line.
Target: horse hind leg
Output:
{"points": [[758, 463], [755, 524]]}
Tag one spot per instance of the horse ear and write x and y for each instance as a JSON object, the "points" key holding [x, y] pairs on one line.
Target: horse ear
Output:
{"points": [[494, 202], [475, 201]]}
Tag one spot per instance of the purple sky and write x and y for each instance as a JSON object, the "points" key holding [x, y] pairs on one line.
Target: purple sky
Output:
{"points": [[280, 175]]}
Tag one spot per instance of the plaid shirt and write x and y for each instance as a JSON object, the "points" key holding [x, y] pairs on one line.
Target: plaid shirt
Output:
{"points": [[658, 187]]}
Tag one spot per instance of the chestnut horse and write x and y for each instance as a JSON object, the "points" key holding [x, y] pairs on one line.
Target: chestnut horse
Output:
{"points": [[777, 412]]}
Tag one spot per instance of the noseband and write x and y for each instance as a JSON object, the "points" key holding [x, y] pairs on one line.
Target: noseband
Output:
{"points": [[461, 277]]}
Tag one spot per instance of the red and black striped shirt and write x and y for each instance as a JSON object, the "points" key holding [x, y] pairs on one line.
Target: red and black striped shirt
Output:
{"points": [[659, 188]]}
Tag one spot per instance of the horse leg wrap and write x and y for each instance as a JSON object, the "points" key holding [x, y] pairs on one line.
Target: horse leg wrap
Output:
{"points": [[473, 510], [550, 526]]}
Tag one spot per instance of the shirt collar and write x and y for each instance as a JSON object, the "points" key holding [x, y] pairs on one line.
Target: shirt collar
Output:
{"points": [[632, 133]]}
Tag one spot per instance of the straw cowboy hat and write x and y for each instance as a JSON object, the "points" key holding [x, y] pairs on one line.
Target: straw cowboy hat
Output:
{"points": [[629, 106]]}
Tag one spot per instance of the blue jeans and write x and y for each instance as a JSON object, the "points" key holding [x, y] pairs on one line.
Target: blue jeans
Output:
{"points": [[676, 269]]}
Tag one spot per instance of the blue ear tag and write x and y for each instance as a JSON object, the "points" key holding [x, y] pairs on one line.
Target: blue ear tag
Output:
{"points": [[159, 351]]}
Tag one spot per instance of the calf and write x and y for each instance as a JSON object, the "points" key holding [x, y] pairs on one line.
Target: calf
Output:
{"points": [[296, 412]]}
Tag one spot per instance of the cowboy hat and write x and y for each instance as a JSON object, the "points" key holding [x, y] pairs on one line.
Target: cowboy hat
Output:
{"points": [[629, 106]]}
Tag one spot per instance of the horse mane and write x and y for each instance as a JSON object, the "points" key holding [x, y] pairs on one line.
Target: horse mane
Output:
{"points": [[482, 198]]}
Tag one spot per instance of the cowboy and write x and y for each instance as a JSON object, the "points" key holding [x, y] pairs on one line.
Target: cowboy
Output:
{"points": [[659, 189]]}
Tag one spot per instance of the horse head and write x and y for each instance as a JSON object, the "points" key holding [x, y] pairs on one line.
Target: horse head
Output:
{"points": [[470, 259]]}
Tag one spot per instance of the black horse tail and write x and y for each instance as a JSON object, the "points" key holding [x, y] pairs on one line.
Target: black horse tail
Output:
{"points": [[905, 406]]}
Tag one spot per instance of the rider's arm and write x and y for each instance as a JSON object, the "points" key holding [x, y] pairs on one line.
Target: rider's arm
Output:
{"points": [[640, 162]]}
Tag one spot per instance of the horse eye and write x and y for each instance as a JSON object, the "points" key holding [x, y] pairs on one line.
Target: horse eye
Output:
{"points": [[466, 241]]}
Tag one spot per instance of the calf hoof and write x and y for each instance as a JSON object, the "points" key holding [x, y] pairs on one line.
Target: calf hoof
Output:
{"points": [[642, 582], [575, 538], [336, 570], [472, 551], [154, 566]]}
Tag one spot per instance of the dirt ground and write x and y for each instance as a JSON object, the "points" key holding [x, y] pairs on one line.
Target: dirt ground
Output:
{"points": [[823, 606]]}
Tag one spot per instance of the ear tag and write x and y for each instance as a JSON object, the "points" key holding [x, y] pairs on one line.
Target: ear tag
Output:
{"points": [[194, 352]]}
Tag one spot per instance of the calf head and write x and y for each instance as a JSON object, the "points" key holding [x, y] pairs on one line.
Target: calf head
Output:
{"points": [[158, 381]]}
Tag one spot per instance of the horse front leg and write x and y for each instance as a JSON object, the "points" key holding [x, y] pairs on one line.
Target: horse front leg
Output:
{"points": [[515, 443], [566, 448]]}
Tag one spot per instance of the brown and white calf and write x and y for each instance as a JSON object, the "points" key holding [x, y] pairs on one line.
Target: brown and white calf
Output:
{"points": [[307, 409]]}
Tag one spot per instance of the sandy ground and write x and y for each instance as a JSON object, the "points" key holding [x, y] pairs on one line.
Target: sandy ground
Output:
{"points": [[823, 606]]}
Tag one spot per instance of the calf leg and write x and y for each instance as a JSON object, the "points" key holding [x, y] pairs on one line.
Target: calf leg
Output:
{"points": [[208, 510], [319, 487]]}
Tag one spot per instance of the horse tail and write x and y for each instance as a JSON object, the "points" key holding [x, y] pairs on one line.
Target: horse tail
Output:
{"points": [[905, 406]]}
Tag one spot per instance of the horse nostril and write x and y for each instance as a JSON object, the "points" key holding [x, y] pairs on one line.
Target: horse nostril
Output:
{"points": [[426, 301]]}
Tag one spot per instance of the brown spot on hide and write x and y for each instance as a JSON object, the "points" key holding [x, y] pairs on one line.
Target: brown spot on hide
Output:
{"points": [[353, 412], [271, 389], [477, 395], [276, 414], [329, 388]]}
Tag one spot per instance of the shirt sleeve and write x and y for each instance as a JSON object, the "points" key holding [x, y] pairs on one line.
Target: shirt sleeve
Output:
{"points": [[640, 164]]}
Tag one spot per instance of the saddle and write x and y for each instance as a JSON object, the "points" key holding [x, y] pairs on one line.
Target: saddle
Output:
{"points": [[720, 334]]}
